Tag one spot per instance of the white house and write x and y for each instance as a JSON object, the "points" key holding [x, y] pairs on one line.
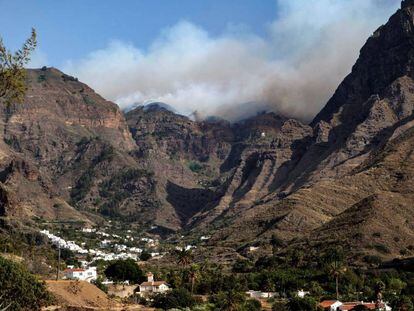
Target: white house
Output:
{"points": [[152, 287], [258, 294], [301, 293], [81, 274]]}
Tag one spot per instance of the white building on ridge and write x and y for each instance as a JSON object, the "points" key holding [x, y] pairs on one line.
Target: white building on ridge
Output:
{"points": [[81, 274]]}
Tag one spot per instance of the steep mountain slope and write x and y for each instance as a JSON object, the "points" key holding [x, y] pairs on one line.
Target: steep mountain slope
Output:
{"points": [[185, 157], [67, 147], [203, 169], [335, 185]]}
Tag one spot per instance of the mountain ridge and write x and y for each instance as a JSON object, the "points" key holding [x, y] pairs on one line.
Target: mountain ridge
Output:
{"points": [[67, 153]]}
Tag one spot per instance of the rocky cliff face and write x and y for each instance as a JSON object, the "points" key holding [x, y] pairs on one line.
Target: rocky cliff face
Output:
{"points": [[204, 169], [355, 168], [61, 147]]}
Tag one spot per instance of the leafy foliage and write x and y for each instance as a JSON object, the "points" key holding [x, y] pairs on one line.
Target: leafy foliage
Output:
{"points": [[12, 73], [184, 257], [195, 167], [229, 300], [125, 270], [145, 256], [302, 304], [99, 283], [177, 298], [20, 289], [252, 305]]}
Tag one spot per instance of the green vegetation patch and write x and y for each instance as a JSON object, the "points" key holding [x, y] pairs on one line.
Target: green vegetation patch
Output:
{"points": [[41, 78], [116, 189], [85, 181], [125, 270], [195, 167], [88, 100], [83, 185], [20, 290]]}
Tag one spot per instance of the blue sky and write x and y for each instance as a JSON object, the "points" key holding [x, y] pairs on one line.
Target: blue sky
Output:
{"points": [[69, 29], [229, 58]]}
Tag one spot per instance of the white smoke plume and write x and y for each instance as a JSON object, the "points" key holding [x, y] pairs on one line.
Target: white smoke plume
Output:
{"points": [[293, 70]]}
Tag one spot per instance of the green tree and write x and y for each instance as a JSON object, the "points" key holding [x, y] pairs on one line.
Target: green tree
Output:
{"points": [[252, 305], [302, 304], [125, 270], [12, 72], [69, 257], [177, 298], [145, 256], [21, 290], [316, 290], [395, 285], [231, 300]]}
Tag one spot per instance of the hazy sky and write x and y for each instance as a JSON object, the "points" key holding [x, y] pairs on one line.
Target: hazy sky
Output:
{"points": [[70, 29], [225, 57]]}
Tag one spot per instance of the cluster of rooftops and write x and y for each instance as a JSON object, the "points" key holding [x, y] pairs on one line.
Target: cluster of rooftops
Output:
{"points": [[336, 305]]}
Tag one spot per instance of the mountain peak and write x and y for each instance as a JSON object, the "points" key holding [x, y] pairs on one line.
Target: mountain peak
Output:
{"points": [[158, 106], [385, 57]]}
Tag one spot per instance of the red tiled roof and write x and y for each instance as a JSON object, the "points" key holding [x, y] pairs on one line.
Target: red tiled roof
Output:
{"points": [[327, 303], [157, 283], [351, 305]]}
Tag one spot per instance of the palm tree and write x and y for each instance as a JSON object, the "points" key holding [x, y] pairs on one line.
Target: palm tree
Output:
{"points": [[336, 269], [193, 274], [334, 263], [184, 257]]}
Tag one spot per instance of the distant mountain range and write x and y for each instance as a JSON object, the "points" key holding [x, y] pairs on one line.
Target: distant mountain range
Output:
{"points": [[346, 178]]}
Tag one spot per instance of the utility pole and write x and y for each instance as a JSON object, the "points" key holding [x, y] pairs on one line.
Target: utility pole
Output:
{"points": [[58, 265]]}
